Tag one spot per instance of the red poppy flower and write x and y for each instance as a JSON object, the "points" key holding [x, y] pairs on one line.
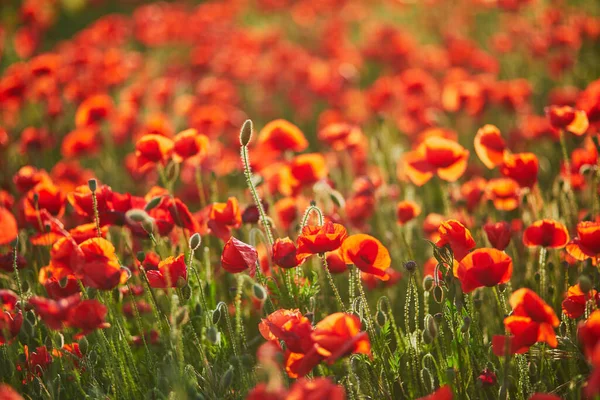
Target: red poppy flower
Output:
{"points": [[504, 193], [98, 265], [589, 336], [49, 198], [153, 149], [568, 118], [335, 262], [490, 146], [498, 234], [522, 167], [576, 300], [443, 393], [188, 144], [338, 335], [546, 233], [436, 156], [457, 236], [291, 327], [8, 227], [280, 135], [11, 319], [93, 110], [407, 210], [80, 142], [262, 391], [484, 267], [82, 202], [531, 321], [286, 211], [308, 168], [587, 242], [321, 239], [367, 254], [88, 316], [285, 253], [171, 272], [238, 256], [36, 362], [54, 313], [223, 217], [300, 364], [315, 389], [544, 396], [8, 393], [339, 135]]}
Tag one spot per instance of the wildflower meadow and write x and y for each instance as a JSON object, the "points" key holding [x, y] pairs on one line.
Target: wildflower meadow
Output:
{"points": [[300, 199]]}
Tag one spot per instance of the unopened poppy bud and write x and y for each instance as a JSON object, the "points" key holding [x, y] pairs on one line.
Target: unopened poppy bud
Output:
{"points": [[438, 317], [148, 225], [537, 277], [216, 315], [246, 133], [381, 318], [83, 345], [427, 339], [181, 282], [428, 283], [431, 326], [550, 266], [466, 324], [63, 282], [48, 343], [310, 316], [562, 328], [36, 199], [137, 215], [213, 335], [427, 380], [93, 357], [195, 241], [259, 292], [186, 292], [93, 185], [438, 294], [141, 256], [153, 203], [227, 378], [585, 169], [585, 284], [410, 266]]}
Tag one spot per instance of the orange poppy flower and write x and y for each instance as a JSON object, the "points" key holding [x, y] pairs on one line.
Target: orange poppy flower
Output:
{"points": [[457, 236], [88, 316], [568, 118], [28, 177], [8, 227], [49, 197], [291, 327], [98, 265], [504, 193], [498, 234], [321, 239], [93, 110], [407, 210], [435, 156], [443, 393], [314, 389], [300, 364], [546, 233], [238, 256], [522, 167], [484, 267], [171, 272], [472, 192], [335, 262], [308, 168], [152, 149], [223, 217], [83, 203], [280, 135], [587, 242], [285, 253], [188, 144], [286, 211], [490, 146], [80, 142], [531, 321], [576, 300], [367, 254], [589, 337], [340, 135], [338, 335]]}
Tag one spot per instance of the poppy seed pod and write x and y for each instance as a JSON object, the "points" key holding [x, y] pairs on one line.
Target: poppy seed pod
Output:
{"points": [[246, 132], [93, 185], [141, 256], [410, 266]]}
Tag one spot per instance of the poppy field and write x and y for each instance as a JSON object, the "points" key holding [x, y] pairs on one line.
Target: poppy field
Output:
{"points": [[300, 199]]}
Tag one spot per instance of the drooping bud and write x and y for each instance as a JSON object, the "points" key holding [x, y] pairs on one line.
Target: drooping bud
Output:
{"points": [[246, 133], [428, 282], [137, 215], [213, 335], [216, 315], [259, 292], [195, 241], [227, 377], [585, 284], [381, 318], [431, 326], [438, 294]]}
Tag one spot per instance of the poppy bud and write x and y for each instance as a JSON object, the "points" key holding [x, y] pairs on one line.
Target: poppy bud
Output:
{"points": [[466, 324], [427, 380], [137, 215], [213, 335], [63, 282], [428, 282], [438, 317], [537, 277], [195, 241], [550, 266], [148, 225], [186, 291], [431, 326], [141, 256], [562, 328], [227, 378], [381, 318], [216, 315], [83, 345], [310, 316], [153, 203], [259, 292], [410, 266], [93, 185], [246, 132], [438, 294], [585, 284], [48, 343], [427, 339]]}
